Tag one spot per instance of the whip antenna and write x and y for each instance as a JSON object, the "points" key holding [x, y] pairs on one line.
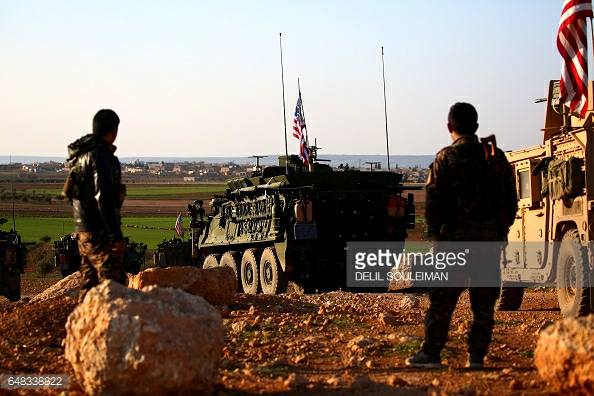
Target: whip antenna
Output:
{"points": [[385, 109], [12, 193], [280, 39]]}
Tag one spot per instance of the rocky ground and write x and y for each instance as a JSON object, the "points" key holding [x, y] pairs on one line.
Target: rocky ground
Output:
{"points": [[333, 343]]}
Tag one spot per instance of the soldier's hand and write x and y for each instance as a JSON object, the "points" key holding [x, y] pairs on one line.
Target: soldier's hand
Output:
{"points": [[118, 247]]}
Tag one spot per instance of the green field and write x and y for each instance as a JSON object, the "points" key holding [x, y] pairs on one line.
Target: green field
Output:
{"points": [[144, 191], [32, 229]]}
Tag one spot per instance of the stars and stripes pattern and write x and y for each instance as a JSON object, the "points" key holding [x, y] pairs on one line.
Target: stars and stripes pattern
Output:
{"points": [[179, 226], [299, 131], [572, 44]]}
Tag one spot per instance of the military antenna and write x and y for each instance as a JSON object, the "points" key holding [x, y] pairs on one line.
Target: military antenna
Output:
{"points": [[280, 39], [385, 109], [12, 193]]}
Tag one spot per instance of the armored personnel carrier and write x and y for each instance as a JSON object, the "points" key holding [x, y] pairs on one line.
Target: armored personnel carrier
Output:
{"points": [[67, 258], [12, 263], [551, 241], [288, 223]]}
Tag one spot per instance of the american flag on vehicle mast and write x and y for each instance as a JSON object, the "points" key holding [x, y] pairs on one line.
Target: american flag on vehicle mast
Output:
{"points": [[299, 131], [572, 43], [179, 226]]}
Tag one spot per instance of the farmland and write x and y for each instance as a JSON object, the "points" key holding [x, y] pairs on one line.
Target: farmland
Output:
{"points": [[149, 211], [149, 230], [138, 191]]}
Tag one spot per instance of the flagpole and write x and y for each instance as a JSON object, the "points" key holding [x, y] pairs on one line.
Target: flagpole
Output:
{"points": [[303, 114], [280, 39], [385, 109], [592, 37]]}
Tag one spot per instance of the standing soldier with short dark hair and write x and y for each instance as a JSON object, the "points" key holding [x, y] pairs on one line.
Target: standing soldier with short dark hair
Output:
{"points": [[94, 187], [471, 196]]}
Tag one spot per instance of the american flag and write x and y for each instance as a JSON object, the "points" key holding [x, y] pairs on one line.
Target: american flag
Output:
{"points": [[572, 44], [299, 131], [179, 226]]}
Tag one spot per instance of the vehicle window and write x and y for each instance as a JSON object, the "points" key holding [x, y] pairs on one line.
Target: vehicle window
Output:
{"points": [[524, 184]]}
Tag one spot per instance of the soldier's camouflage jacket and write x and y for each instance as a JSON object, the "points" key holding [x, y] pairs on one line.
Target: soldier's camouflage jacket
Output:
{"points": [[94, 187], [470, 196]]}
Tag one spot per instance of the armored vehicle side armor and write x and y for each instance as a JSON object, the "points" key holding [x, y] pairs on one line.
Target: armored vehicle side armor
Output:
{"points": [[289, 223]]}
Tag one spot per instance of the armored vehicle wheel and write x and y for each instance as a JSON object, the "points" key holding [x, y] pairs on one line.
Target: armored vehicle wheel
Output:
{"points": [[272, 277], [211, 261], [13, 287], [232, 260], [250, 271], [572, 277], [510, 298]]}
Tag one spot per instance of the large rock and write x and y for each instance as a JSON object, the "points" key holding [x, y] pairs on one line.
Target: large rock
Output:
{"points": [[216, 285], [69, 286], [157, 341], [564, 355]]}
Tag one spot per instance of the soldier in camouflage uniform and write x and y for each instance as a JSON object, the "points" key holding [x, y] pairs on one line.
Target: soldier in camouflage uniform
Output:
{"points": [[94, 187], [471, 196]]}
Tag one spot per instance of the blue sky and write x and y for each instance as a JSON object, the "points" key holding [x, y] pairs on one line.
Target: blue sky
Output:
{"points": [[203, 78]]}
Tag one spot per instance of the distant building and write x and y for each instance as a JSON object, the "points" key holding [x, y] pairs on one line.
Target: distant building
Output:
{"points": [[155, 169], [133, 170]]}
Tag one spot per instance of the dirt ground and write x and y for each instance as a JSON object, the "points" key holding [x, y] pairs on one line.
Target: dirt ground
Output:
{"points": [[333, 343], [325, 344]]}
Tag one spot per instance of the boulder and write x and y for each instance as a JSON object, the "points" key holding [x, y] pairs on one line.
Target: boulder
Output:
{"points": [[157, 341], [217, 285], [564, 355], [68, 287]]}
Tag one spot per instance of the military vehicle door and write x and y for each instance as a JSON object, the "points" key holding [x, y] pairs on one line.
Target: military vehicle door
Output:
{"points": [[528, 235]]}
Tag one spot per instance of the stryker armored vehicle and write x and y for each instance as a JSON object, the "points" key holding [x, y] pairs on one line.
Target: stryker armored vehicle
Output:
{"points": [[67, 258], [552, 238], [288, 223], [12, 263]]}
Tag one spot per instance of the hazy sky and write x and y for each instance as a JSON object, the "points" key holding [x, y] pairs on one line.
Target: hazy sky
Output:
{"points": [[203, 78]]}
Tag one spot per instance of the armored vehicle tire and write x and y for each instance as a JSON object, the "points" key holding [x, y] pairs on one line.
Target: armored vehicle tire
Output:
{"points": [[272, 277], [232, 259], [13, 287], [510, 298], [572, 277], [211, 261], [250, 271]]}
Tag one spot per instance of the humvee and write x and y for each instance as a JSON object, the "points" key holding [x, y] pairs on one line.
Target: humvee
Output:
{"points": [[551, 240]]}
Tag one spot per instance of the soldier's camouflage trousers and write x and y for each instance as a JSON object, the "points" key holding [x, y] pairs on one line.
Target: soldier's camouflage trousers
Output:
{"points": [[99, 262], [442, 305]]}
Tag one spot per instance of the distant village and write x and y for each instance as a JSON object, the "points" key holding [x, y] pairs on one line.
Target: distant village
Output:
{"points": [[188, 172]]}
